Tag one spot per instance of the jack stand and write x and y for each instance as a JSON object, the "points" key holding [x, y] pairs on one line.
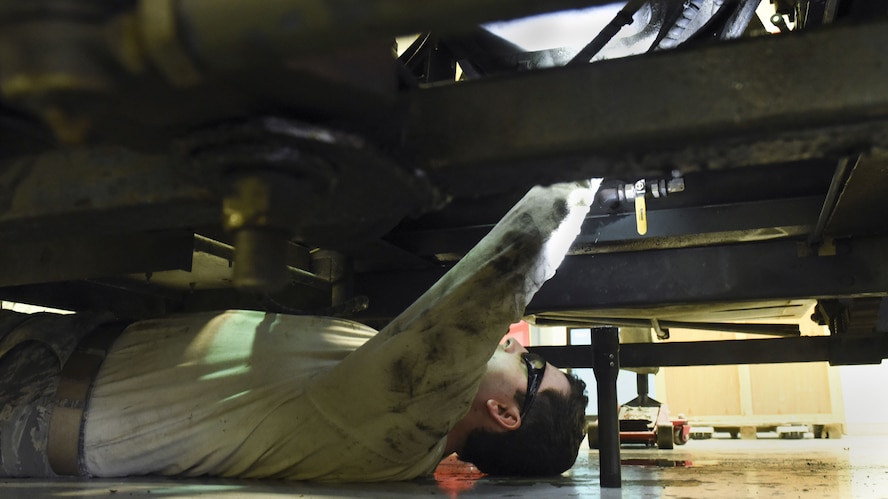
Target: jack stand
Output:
{"points": [[606, 362]]}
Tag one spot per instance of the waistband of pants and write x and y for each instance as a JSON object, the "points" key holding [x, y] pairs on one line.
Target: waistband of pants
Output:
{"points": [[65, 445]]}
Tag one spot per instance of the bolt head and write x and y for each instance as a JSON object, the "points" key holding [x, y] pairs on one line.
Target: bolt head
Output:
{"points": [[234, 219]]}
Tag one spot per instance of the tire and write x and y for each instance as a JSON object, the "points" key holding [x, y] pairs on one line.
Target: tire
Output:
{"points": [[665, 437], [592, 435], [679, 436]]}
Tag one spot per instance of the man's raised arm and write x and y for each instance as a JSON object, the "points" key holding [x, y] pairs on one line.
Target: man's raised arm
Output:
{"points": [[417, 377]]}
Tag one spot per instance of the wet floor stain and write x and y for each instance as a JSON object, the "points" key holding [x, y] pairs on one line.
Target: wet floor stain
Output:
{"points": [[806, 469]]}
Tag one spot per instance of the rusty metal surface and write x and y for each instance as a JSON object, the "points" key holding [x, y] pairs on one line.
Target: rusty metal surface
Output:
{"points": [[860, 208], [755, 101], [604, 284], [732, 352], [100, 190], [80, 257], [228, 34], [158, 146], [669, 228]]}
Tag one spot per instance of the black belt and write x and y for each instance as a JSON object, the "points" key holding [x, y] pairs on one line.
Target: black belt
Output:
{"points": [[65, 444]]}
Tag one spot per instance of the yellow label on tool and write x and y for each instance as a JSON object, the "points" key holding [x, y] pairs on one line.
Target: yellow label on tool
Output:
{"points": [[641, 220]]}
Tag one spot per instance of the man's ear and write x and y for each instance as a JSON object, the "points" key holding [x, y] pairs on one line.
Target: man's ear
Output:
{"points": [[505, 416]]}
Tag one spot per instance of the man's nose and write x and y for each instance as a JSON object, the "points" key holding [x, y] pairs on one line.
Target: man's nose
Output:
{"points": [[512, 346]]}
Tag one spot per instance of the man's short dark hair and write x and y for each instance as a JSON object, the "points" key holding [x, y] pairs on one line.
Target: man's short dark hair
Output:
{"points": [[546, 443]]}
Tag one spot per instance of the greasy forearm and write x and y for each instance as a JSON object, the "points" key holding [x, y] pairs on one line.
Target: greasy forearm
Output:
{"points": [[496, 280]]}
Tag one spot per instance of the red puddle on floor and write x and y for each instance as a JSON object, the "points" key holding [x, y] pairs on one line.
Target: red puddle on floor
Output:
{"points": [[660, 463], [455, 476]]}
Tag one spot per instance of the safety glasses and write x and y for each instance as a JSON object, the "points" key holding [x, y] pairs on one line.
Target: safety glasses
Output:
{"points": [[536, 369]]}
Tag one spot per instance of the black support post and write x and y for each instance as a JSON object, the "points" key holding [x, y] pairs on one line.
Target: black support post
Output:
{"points": [[641, 384], [606, 365]]}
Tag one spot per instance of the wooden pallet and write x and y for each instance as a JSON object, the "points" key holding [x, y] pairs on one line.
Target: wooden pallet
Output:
{"points": [[785, 428]]}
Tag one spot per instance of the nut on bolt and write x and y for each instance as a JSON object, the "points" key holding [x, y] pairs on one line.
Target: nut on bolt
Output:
{"points": [[256, 212]]}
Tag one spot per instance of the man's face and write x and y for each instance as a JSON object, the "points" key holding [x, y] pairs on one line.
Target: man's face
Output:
{"points": [[507, 372]]}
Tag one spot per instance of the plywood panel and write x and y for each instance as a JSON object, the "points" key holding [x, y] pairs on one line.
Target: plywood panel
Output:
{"points": [[702, 390], [752, 394], [790, 388]]}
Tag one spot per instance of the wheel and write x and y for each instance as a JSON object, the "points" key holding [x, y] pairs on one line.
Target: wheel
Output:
{"points": [[665, 437], [679, 436], [792, 435], [592, 435]]}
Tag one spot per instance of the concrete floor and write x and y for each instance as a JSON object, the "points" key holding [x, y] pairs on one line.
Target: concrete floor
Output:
{"points": [[851, 467]]}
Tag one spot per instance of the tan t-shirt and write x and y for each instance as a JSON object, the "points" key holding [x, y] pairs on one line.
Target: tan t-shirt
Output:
{"points": [[254, 394]]}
